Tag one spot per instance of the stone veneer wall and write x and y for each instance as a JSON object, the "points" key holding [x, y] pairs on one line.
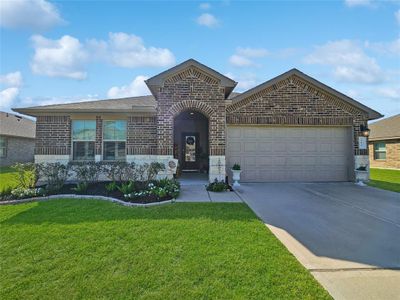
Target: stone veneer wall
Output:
{"points": [[392, 155]]}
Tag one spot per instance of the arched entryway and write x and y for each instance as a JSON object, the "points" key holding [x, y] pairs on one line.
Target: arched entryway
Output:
{"points": [[191, 141]]}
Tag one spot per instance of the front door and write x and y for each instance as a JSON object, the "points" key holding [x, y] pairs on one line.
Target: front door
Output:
{"points": [[190, 153]]}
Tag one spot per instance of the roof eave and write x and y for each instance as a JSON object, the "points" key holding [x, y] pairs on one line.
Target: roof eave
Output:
{"points": [[38, 112]]}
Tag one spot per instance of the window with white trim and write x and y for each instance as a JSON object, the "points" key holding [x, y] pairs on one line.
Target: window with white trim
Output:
{"points": [[3, 146], [380, 151], [114, 140], [83, 139]]}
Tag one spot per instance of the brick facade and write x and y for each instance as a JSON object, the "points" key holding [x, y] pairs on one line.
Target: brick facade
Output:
{"points": [[293, 101], [53, 135], [392, 155], [195, 90], [141, 135]]}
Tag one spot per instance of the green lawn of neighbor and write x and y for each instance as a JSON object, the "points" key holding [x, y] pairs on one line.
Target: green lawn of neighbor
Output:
{"points": [[7, 177], [90, 249], [385, 179]]}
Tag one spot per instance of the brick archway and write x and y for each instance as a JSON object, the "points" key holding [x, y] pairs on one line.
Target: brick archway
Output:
{"points": [[195, 105]]}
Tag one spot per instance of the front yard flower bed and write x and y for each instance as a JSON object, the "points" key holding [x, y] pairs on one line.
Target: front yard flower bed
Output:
{"points": [[129, 182]]}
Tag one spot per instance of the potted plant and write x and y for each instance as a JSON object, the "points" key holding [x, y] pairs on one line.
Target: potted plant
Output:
{"points": [[236, 174], [362, 174]]}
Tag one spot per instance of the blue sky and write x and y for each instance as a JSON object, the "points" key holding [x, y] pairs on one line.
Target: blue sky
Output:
{"points": [[66, 51]]}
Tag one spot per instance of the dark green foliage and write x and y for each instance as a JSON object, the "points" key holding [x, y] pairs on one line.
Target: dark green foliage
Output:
{"points": [[217, 186], [236, 167]]}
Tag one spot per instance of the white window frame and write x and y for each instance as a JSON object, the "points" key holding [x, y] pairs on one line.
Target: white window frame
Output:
{"points": [[80, 140], [104, 140], [379, 151]]}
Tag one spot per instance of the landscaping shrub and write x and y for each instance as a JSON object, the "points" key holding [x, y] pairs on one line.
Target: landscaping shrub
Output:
{"points": [[54, 174], [153, 170], [120, 171], [5, 193], [81, 187], [21, 192], [111, 187], [236, 167], [87, 172], [27, 176], [126, 188], [217, 186]]}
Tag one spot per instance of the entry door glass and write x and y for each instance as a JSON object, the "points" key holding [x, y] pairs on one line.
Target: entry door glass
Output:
{"points": [[190, 148]]}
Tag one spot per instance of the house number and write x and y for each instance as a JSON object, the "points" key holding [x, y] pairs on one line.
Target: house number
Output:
{"points": [[362, 142]]}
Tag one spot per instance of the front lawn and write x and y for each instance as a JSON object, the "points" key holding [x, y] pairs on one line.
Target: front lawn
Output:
{"points": [[92, 249], [385, 179], [7, 178]]}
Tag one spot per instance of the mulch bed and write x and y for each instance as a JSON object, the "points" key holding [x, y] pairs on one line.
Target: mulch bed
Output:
{"points": [[98, 189]]}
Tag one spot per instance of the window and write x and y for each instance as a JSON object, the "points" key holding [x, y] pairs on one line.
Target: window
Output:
{"points": [[3, 146], [83, 138], [380, 151], [114, 137]]}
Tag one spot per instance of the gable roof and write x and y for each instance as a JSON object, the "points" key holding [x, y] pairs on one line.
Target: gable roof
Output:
{"points": [[14, 125], [159, 79], [130, 104], [372, 114], [385, 129]]}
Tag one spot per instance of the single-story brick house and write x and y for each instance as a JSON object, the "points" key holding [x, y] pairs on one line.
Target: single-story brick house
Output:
{"points": [[290, 128], [17, 139], [384, 143]]}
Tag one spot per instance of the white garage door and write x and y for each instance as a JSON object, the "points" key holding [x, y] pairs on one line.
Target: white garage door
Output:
{"points": [[290, 153]]}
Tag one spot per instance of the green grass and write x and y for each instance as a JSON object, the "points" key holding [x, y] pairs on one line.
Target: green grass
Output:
{"points": [[385, 179], [7, 177], [88, 249]]}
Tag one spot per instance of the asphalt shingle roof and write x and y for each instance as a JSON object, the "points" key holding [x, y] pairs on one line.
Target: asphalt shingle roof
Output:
{"points": [[385, 129], [14, 125]]}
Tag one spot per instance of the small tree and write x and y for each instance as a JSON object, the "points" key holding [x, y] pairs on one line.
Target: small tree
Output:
{"points": [[27, 176]]}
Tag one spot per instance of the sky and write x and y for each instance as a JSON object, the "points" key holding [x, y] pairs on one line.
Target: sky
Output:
{"points": [[67, 51]]}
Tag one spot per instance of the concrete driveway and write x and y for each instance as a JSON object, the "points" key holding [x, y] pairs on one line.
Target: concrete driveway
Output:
{"points": [[348, 236]]}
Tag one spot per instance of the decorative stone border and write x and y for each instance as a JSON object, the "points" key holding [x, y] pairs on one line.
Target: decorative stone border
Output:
{"points": [[73, 196]]}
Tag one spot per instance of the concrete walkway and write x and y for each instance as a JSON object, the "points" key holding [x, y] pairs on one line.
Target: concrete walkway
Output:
{"points": [[347, 236], [198, 193]]}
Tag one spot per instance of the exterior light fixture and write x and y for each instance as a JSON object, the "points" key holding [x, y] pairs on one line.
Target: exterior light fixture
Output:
{"points": [[191, 113], [364, 130]]}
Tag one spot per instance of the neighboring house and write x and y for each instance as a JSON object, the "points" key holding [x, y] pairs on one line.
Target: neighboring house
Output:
{"points": [[17, 139], [384, 143], [290, 128]]}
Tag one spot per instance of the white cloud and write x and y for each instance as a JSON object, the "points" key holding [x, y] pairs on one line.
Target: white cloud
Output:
{"points": [[129, 51], [205, 6], [386, 48], [136, 88], [65, 57], [245, 81], [29, 14], [243, 56], [354, 3], [389, 92], [252, 52], [207, 20], [350, 62], [397, 16], [7, 97], [11, 79], [240, 61]]}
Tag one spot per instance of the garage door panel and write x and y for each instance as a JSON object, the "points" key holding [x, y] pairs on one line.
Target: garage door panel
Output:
{"points": [[290, 153]]}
